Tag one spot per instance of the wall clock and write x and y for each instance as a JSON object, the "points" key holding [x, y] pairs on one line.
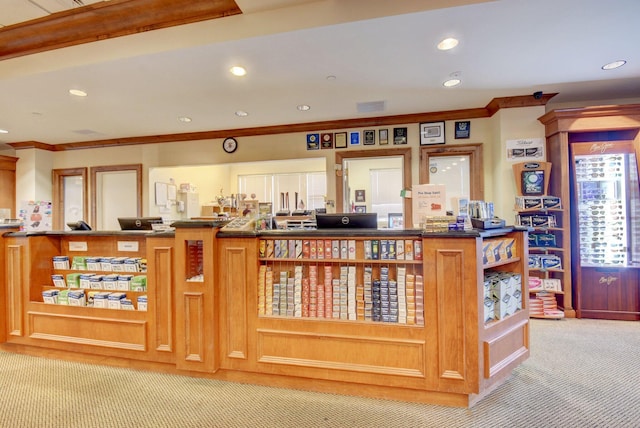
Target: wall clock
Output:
{"points": [[230, 145]]}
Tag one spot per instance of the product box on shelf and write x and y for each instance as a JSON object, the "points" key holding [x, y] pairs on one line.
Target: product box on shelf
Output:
{"points": [[105, 264], [85, 280], [549, 202], [142, 303], [114, 300], [73, 280], [100, 299], [95, 282], [132, 264], [528, 202], [77, 298], [505, 290], [58, 281], [138, 283], [63, 297], [544, 261], [126, 304], [79, 263], [117, 264], [110, 281], [50, 296], [93, 263], [124, 282], [61, 262]]}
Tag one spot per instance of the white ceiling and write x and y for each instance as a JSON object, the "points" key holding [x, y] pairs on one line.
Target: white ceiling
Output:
{"points": [[378, 50]]}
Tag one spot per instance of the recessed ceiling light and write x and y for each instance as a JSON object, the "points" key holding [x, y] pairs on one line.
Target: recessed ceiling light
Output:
{"points": [[77, 92], [241, 113], [451, 82], [303, 107], [448, 43], [3, 131], [184, 119], [238, 71], [614, 64]]}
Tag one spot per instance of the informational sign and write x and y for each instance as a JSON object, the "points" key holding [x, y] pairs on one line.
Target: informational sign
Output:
{"points": [[36, 215], [428, 200], [525, 149]]}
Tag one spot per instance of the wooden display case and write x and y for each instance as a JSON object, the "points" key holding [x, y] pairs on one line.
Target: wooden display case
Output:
{"points": [[130, 334], [204, 315], [454, 358], [604, 127]]}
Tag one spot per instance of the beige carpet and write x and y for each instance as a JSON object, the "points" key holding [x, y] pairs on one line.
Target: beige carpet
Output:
{"points": [[582, 373]]}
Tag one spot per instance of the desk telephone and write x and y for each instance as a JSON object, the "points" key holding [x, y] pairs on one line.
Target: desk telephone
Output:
{"points": [[240, 223]]}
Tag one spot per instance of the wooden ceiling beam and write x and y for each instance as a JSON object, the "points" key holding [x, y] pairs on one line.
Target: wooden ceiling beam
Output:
{"points": [[105, 20]]}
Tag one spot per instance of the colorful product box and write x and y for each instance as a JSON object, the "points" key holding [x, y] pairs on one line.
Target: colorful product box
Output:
{"points": [[61, 262]]}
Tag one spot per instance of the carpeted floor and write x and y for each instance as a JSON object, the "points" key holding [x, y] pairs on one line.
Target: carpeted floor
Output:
{"points": [[582, 373]]}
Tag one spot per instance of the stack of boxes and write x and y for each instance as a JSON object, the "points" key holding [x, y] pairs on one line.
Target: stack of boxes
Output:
{"points": [[502, 295]]}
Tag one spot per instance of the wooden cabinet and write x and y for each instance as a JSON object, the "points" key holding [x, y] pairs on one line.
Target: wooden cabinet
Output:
{"points": [[8, 183], [448, 355], [196, 329], [599, 130], [207, 310], [76, 327]]}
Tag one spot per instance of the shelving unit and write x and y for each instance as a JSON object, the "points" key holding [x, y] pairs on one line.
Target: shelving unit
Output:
{"points": [[546, 305], [373, 282]]}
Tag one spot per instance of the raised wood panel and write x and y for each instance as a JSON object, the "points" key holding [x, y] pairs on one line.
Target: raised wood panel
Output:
{"points": [[451, 310], [160, 284], [385, 356], [14, 273], [83, 330], [236, 297], [506, 348], [194, 343]]}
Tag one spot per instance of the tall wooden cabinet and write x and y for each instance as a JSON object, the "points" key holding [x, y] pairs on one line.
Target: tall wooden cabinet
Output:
{"points": [[8, 183], [612, 292]]}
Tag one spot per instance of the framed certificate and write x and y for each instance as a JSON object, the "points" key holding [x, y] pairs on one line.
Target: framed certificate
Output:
{"points": [[431, 133], [340, 140]]}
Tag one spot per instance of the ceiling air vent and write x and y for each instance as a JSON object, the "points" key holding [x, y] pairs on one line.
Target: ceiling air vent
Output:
{"points": [[371, 106]]}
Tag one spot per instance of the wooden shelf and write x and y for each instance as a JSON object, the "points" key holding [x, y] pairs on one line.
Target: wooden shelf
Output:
{"points": [[501, 263], [340, 261]]}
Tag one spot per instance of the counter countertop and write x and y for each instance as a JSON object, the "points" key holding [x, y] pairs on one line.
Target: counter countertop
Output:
{"points": [[365, 233]]}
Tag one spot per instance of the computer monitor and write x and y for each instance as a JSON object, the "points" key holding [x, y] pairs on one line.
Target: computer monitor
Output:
{"points": [[78, 225], [138, 223], [347, 221]]}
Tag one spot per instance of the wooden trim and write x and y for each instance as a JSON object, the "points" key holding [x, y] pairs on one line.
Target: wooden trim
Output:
{"points": [[94, 173], [406, 179], [471, 113], [58, 176], [476, 164], [106, 20]]}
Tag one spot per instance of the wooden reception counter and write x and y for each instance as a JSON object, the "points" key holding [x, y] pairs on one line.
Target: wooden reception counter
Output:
{"points": [[436, 318]]}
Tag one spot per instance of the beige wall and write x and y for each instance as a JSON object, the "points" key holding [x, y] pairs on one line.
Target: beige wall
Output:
{"points": [[492, 132]]}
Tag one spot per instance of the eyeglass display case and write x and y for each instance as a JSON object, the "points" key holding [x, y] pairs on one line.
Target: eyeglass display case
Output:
{"points": [[585, 146]]}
